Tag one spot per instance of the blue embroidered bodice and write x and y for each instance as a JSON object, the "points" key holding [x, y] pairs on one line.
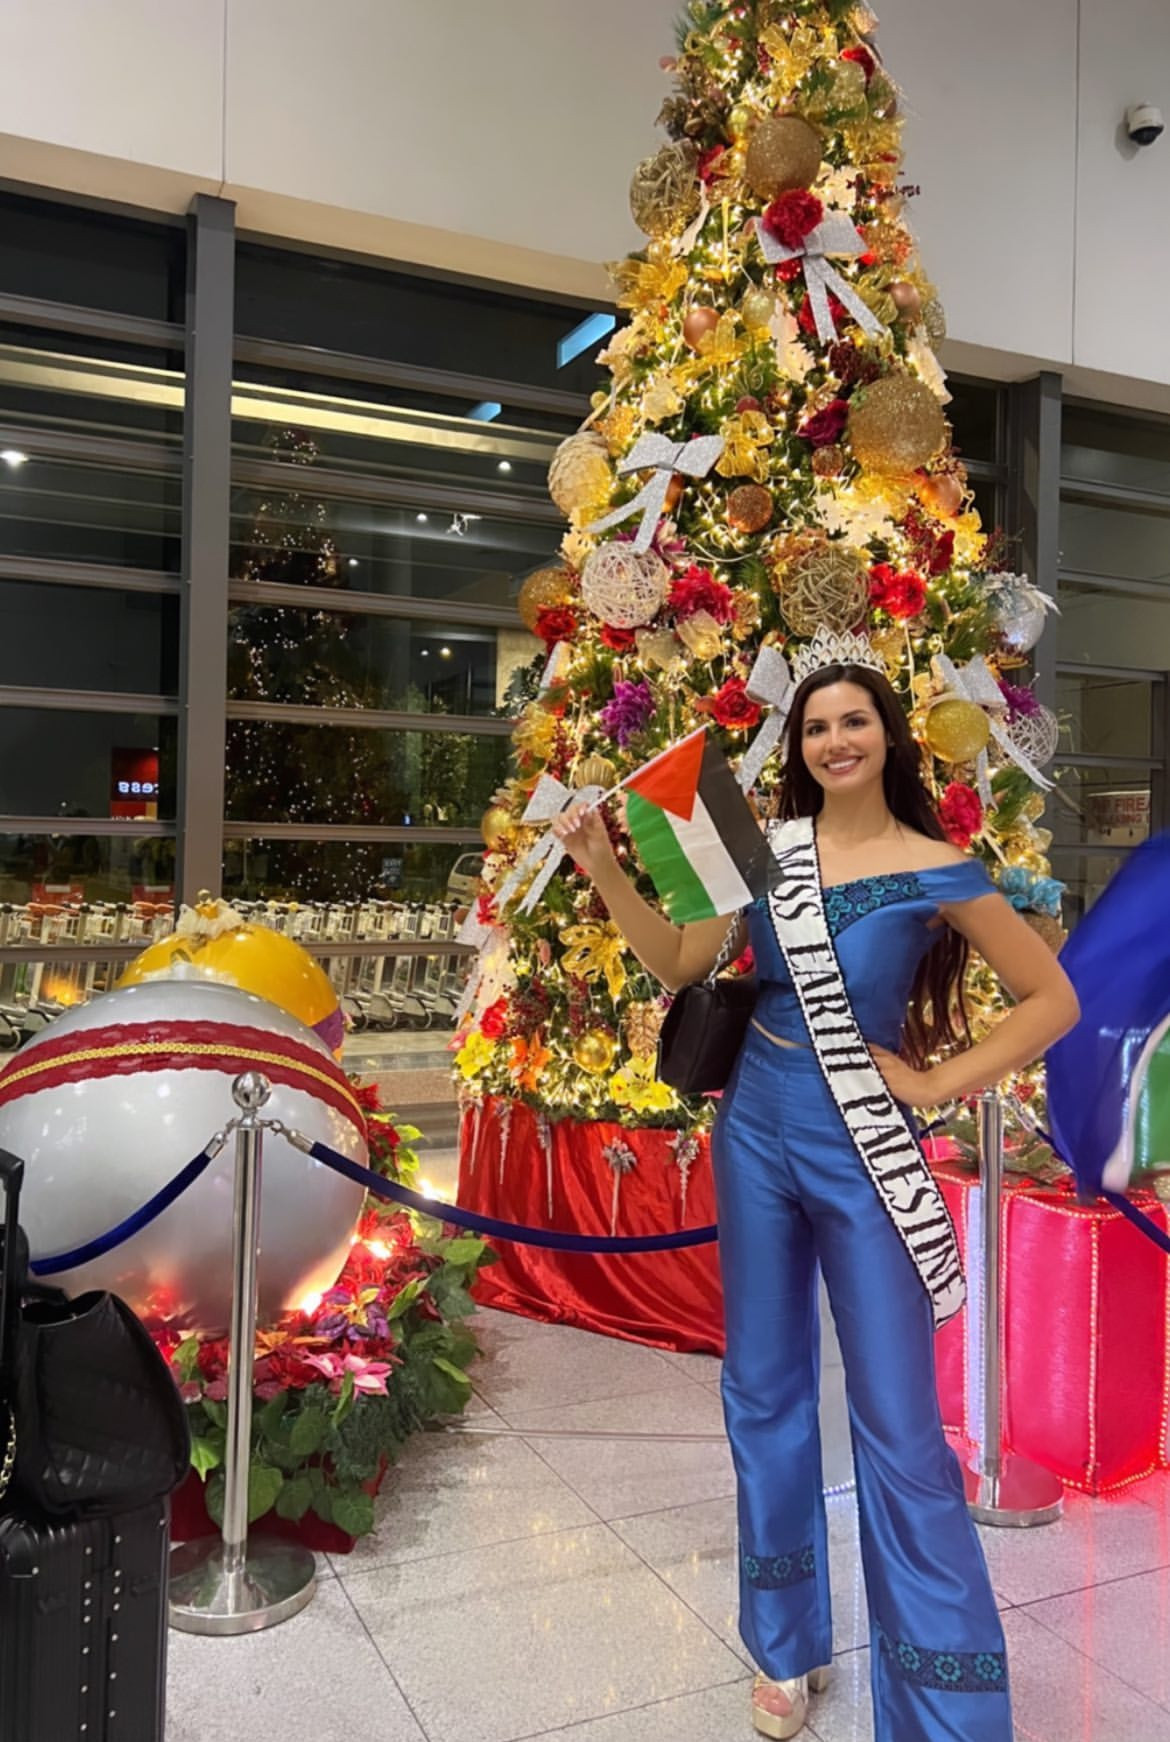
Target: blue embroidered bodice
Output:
{"points": [[882, 929]]}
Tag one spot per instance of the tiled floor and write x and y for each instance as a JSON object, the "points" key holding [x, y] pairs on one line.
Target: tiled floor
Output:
{"points": [[563, 1565]]}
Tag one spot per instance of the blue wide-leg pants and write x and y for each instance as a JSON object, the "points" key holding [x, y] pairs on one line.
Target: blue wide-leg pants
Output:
{"points": [[793, 1194]]}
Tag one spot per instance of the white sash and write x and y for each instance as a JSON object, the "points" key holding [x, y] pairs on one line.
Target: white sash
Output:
{"points": [[888, 1148]]}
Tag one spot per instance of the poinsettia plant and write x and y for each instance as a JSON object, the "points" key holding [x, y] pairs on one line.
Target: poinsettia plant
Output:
{"points": [[339, 1389]]}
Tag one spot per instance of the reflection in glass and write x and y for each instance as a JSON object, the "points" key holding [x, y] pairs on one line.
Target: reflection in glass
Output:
{"points": [[1085, 876], [86, 764], [1102, 808], [82, 513], [260, 869], [1121, 543], [1105, 626], [1108, 716], [89, 868], [89, 639], [1105, 448], [127, 393]]}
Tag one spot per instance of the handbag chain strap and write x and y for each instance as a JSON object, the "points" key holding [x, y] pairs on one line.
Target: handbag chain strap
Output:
{"points": [[9, 1464], [727, 950]]}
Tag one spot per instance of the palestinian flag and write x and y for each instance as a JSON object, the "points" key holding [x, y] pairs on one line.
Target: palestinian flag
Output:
{"points": [[695, 833]]}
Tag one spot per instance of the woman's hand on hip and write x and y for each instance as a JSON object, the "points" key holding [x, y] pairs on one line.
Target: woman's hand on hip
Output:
{"points": [[585, 838], [913, 1088]]}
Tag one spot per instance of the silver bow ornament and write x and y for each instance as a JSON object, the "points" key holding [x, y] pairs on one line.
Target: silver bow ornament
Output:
{"points": [[838, 236], [550, 799], [771, 683], [657, 453], [974, 683]]}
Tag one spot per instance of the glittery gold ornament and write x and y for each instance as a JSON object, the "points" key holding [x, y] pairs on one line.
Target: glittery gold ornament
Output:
{"points": [[545, 588], [495, 826], [783, 152], [829, 462], [825, 587], [957, 731], [643, 1025], [618, 427], [664, 194], [934, 319], [896, 425], [750, 508], [757, 308], [595, 771], [1048, 929], [595, 1051], [580, 477], [623, 588]]}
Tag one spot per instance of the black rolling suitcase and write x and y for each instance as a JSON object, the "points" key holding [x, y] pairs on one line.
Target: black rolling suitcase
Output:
{"points": [[83, 1603]]}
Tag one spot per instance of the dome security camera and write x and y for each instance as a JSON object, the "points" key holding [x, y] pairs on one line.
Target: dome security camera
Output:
{"points": [[1144, 123]]}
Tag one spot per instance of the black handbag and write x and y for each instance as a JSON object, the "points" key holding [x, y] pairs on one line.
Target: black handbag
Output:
{"points": [[705, 1028], [95, 1424]]}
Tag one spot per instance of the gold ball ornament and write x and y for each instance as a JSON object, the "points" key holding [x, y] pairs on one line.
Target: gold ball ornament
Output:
{"points": [[943, 494], [783, 153], [896, 426], [580, 476], [595, 1051], [495, 826], [826, 587], [1048, 930], [595, 771], [906, 298], [957, 731], [757, 308], [624, 589], [698, 325], [553, 586], [750, 508], [664, 194]]}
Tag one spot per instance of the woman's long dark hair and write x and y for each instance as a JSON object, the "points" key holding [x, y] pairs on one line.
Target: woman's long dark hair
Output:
{"points": [[937, 1016]]}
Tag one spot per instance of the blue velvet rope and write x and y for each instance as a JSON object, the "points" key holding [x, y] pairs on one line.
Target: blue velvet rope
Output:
{"points": [[510, 1231], [126, 1230], [489, 1226]]}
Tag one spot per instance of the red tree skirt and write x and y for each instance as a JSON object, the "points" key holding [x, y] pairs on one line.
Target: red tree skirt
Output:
{"points": [[670, 1300]]}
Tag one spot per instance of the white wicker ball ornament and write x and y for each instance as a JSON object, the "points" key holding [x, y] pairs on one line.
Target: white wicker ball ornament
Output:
{"points": [[580, 476], [110, 1101], [624, 589], [1036, 735]]}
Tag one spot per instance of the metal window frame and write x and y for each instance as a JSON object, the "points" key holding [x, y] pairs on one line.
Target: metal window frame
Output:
{"points": [[1033, 436]]}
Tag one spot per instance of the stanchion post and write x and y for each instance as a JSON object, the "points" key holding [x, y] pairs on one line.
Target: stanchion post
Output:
{"points": [[224, 1584], [1002, 1488]]}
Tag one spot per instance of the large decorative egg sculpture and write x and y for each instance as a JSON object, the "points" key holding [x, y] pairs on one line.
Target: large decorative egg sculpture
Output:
{"points": [[212, 942], [112, 1100]]}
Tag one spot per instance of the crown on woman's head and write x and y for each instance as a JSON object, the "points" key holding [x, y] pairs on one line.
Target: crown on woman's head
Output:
{"points": [[827, 648]]}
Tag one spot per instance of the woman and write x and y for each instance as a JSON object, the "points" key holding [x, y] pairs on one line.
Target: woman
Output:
{"points": [[816, 1167]]}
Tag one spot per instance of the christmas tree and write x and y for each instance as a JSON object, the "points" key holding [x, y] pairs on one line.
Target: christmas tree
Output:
{"points": [[304, 655], [771, 457]]}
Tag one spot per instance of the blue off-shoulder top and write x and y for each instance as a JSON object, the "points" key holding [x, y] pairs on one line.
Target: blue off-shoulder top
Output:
{"points": [[881, 927]]}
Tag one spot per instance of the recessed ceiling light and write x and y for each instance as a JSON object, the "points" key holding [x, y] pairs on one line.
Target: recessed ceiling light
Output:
{"points": [[426, 653], [353, 562], [505, 466], [444, 653], [13, 456], [422, 519]]}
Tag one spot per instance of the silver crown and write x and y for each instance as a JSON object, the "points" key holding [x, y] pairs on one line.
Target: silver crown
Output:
{"points": [[827, 648]]}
